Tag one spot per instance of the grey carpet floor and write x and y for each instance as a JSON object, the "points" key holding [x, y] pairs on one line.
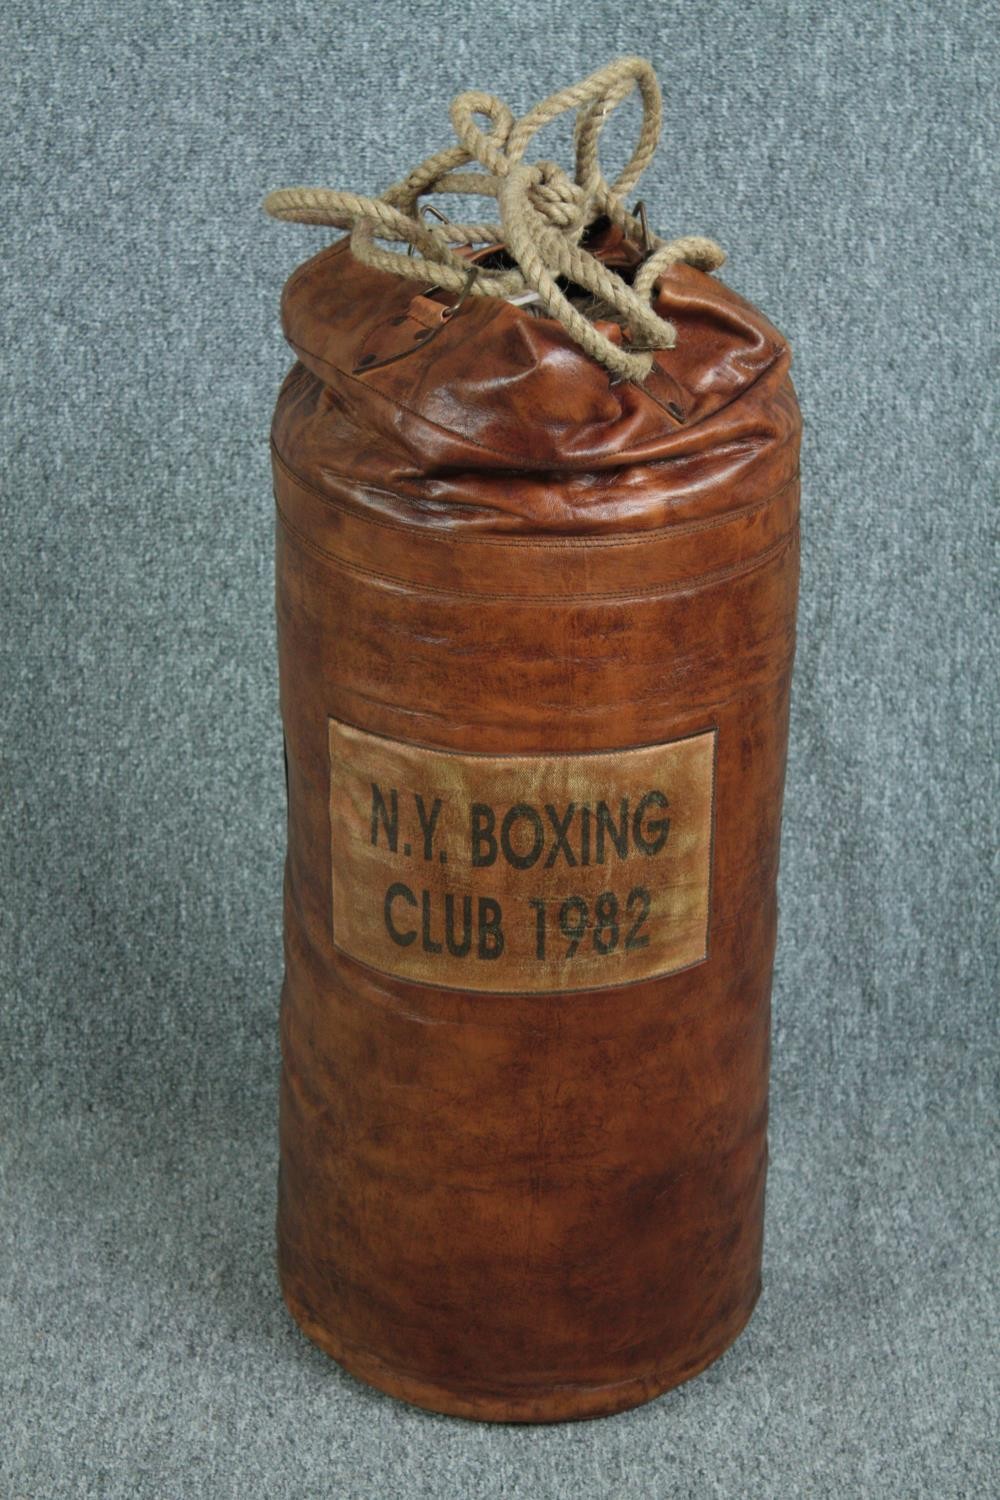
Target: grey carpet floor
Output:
{"points": [[846, 156]]}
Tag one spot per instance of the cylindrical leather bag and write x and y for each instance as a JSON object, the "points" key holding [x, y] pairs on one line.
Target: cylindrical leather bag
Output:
{"points": [[536, 628]]}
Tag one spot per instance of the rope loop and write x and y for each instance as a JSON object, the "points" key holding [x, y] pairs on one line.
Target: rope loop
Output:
{"points": [[544, 213]]}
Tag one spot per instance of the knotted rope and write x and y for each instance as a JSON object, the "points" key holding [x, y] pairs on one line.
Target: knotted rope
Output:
{"points": [[543, 214]]}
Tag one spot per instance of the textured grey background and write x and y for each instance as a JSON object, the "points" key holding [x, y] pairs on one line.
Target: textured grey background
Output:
{"points": [[845, 155]]}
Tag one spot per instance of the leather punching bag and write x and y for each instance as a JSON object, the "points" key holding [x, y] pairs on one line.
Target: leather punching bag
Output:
{"points": [[536, 627]]}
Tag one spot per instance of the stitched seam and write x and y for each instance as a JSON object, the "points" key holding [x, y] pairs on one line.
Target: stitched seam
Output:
{"points": [[682, 586], [635, 538], [581, 714]]}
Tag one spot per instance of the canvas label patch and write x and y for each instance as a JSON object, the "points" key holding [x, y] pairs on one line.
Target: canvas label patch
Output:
{"points": [[521, 873]]}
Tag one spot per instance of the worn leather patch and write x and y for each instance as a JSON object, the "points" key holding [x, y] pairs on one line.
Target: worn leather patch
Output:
{"points": [[521, 873]]}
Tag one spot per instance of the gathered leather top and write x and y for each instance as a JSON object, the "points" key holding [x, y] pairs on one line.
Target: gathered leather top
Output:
{"points": [[490, 417]]}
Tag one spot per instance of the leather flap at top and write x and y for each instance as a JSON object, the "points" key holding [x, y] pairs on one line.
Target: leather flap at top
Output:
{"points": [[497, 386]]}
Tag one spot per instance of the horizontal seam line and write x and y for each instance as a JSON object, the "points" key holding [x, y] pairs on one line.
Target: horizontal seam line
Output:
{"points": [[681, 586], [633, 538]]}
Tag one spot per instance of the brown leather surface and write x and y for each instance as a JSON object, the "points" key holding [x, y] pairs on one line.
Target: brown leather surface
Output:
{"points": [[529, 1206]]}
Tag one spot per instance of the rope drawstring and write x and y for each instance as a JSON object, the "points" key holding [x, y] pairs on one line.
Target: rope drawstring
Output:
{"points": [[543, 213]]}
